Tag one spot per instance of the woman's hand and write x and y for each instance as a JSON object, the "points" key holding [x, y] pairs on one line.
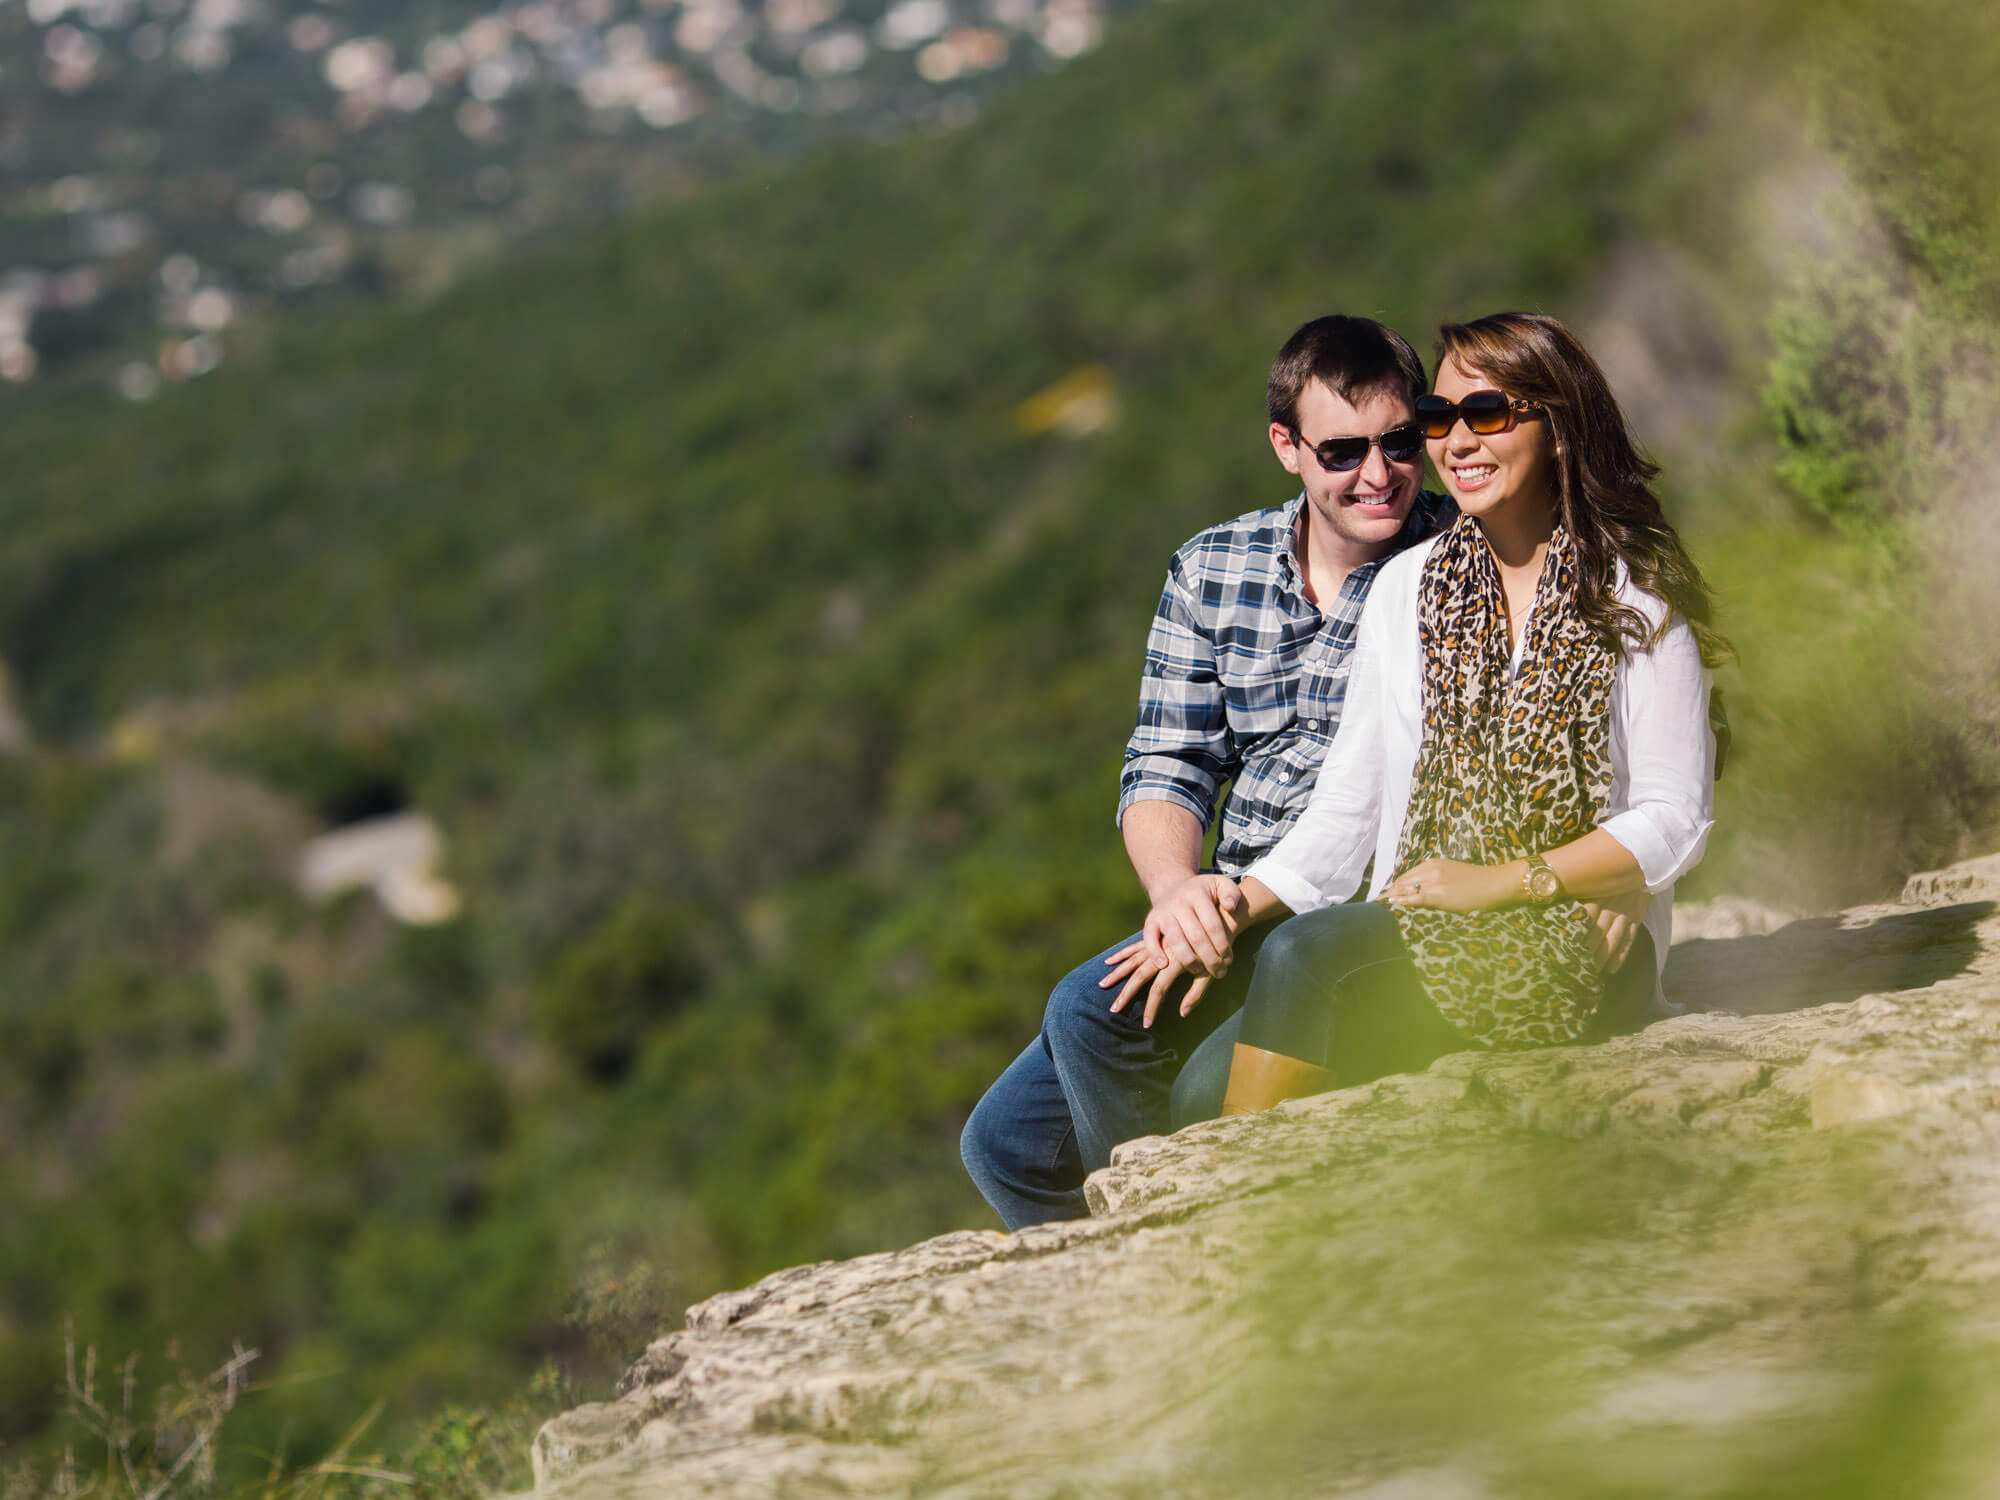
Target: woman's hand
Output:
{"points": [[1453, 885], [1142, 971], [1616, 922]]}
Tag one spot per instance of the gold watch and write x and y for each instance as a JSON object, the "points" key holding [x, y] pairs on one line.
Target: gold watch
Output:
{"points": [[1539, 884]]}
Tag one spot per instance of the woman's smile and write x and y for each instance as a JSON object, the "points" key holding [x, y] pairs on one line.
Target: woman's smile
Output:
{"points": [[1491, 473]]}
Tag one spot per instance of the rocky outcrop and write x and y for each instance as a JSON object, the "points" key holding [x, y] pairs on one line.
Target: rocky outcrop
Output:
{"points": [[1762, 1225]]}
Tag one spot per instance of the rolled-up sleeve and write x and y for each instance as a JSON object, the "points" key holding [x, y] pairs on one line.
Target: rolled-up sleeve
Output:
{"points": [[1181, 750], [1321, 861], [1660, 723]]}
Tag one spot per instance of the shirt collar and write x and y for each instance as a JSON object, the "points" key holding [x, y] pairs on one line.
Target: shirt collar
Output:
{"points": [[1430, 514], [1288, 540]]}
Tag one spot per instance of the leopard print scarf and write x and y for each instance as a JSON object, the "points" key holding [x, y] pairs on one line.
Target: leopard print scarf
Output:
{"points": [[1506, 769]]}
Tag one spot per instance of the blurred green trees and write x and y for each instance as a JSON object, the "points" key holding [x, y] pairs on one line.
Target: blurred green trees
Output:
{"points": [[611, 989], [769, 684]]}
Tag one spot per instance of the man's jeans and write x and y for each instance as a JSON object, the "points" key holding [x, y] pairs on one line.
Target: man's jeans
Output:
{"points": [[1089, 1081]]}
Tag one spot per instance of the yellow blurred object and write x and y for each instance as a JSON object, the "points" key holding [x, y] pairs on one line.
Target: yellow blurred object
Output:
{"points": [[1079, 404], [134, 738]]}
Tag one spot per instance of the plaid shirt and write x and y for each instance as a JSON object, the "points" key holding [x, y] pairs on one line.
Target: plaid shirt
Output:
{"points": [[1245, 678]]}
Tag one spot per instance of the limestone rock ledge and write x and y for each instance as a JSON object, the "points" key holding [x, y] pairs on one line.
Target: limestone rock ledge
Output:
{"points": [[1526, 1273]]}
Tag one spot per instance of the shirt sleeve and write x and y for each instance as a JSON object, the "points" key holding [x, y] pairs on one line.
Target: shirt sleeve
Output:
{"points": [[1321, 861], [1181, 750], [1660, 713]]}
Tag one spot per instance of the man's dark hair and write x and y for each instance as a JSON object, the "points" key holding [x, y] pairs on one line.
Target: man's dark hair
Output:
{"points": [[1352, 355]]}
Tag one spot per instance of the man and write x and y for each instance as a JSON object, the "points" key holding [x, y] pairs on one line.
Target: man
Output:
{"points": [[1246, 670]]}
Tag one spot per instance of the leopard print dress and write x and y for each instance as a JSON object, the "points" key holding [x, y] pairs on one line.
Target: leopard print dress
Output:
{"points": [[1506, 769]]}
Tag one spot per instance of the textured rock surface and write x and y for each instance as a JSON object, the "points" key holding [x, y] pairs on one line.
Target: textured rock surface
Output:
{"points": [[1484, 1279]]}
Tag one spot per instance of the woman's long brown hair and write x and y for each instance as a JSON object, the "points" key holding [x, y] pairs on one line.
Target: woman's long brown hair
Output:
{"points": [[1606, 497]]}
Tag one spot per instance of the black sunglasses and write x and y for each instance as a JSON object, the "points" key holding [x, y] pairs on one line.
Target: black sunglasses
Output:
{"points": [[1484, 412], [1340, 455]]}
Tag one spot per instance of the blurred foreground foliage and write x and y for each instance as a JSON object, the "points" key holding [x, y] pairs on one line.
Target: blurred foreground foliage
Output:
{"points": [[769, 684], [1517, 1331]]}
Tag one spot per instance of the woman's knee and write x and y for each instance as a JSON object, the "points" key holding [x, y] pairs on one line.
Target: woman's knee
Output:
{"points": [[1321, 944], [1301, 970]]}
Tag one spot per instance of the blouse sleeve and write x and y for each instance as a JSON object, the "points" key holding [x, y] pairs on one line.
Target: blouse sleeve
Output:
{"points": [[1321, 861], [1660, 718]]}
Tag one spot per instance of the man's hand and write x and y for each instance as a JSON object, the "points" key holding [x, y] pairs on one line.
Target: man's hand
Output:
{"points": [[1194, 925], [1191, 930], [1618, 923]]}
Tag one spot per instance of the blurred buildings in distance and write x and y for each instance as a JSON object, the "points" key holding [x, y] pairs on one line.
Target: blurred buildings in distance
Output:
{"points": [[174, 170]]}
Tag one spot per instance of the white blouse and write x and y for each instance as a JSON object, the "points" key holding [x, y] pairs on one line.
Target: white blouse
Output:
{"points": [[1662, 758]]}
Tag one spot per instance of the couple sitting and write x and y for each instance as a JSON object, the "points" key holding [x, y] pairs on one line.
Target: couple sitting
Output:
{"points": [[1515, 729]]}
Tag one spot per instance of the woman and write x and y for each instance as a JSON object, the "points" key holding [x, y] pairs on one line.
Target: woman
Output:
{"points": [[1526, 730]]}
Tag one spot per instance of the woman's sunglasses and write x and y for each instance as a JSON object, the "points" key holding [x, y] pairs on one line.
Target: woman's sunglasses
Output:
{"points": [[1342, 455], [1483, 412]]}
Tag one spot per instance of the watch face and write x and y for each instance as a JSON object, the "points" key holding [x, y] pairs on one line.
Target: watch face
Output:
{"points": [[1543, 883]]}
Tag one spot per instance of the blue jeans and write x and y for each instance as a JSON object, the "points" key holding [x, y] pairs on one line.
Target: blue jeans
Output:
{"points": [[1089, 1081]]}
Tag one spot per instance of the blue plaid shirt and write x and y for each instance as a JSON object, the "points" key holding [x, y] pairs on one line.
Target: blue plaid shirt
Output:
{"points": [[1245, 677]]}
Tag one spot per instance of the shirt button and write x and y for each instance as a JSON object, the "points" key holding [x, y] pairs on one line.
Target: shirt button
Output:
{"points": [[1284, 776], [1312, 723]]}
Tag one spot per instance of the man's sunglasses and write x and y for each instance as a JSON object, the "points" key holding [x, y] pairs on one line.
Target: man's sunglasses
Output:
{"points": [[1342, 455], [1483, 412]]}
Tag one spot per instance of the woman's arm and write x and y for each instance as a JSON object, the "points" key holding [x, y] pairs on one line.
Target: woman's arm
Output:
{"points": [[1659, 720], [1260, 903], [1595, 867]]}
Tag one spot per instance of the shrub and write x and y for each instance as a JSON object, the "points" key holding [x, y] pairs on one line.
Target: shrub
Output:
{"points": [[637, 969]]}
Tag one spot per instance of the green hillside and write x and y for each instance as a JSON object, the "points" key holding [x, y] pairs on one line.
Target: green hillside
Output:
{"points": [[769, 682]]}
